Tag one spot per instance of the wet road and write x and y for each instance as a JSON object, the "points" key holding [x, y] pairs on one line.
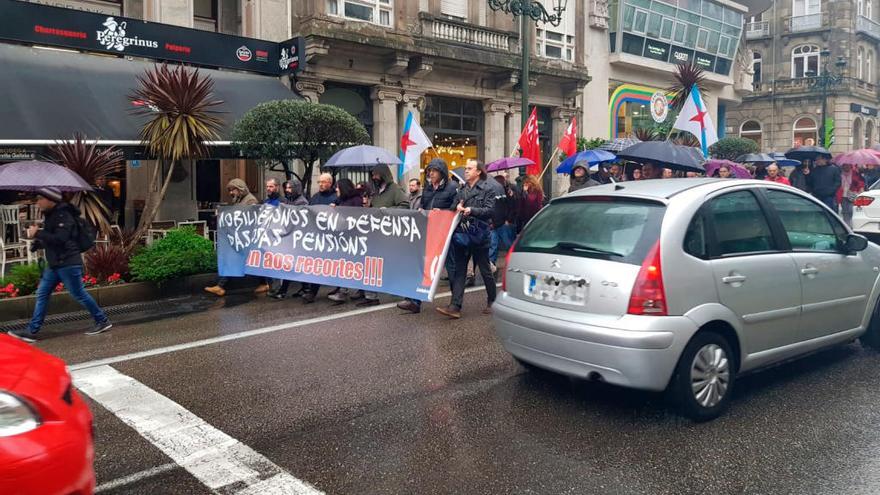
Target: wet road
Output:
{"points": [[384, 402]]}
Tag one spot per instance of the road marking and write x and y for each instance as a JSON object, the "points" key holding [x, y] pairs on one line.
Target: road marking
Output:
{"points": [[135, 478], [241, 335], [220, 462]]}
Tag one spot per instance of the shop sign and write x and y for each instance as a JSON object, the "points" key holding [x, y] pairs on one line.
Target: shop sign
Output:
{"points": [[293, 56], [46, 25], [858, 108], [656, 50], [16, 154], [681, 56], [659, 107], [707, 62]]}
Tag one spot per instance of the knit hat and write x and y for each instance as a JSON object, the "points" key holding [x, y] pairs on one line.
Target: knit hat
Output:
{"points": [[51, 193]]}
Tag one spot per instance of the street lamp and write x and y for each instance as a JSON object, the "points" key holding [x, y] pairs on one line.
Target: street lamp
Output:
{"points": [[528, 10], [824, 81]]}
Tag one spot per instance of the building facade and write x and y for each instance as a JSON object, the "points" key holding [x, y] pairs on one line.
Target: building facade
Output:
{"points": [[454, 63], [805, 52]]}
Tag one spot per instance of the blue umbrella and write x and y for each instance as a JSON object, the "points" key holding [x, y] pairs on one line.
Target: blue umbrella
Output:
{"points": [[589, 156], [362, 156], [782, 161]]}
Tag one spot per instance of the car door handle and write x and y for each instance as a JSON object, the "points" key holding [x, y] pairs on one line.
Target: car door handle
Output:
{"points": [[734, 279], [810, 270]]}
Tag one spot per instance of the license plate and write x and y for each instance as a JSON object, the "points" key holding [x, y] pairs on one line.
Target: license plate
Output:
{"points": [[555, 289]]}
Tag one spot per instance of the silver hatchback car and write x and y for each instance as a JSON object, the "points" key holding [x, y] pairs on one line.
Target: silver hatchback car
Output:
{"points": [[682, 284]]}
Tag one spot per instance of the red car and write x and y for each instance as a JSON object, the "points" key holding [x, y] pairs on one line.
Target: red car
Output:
{"points": [[46, 445]]}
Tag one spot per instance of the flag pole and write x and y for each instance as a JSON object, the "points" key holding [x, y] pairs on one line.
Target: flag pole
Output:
{"points": [[552, 157]]}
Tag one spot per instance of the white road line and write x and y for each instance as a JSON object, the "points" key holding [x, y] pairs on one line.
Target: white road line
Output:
{"points": [[241, 335], [220, 462], [135, 478]]}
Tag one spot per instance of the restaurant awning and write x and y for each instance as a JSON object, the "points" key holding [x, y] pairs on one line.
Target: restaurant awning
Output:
{"points": [[50, 94]]}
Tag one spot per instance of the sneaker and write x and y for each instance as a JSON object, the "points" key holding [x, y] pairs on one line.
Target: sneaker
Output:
{"points": [[334, 291], [337, 297], [216, 290], [278, 296], [450, 311], [368, 302], [23, 335], [409, 306], [100, 328], [470, 281], [261, 289]]}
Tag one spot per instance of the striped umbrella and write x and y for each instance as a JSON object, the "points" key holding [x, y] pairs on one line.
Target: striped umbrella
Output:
{"points": [[618, 144]]}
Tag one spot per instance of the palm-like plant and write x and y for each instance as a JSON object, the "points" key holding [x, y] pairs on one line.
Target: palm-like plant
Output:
{"points": [[645, 134], [91, 164], [181, 117], [686, 76]]}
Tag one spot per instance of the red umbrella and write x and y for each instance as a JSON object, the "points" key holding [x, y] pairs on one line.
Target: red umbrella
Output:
{"points": [[862, 158]]}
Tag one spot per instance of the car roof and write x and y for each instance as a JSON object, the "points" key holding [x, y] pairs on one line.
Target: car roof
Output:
{"points": [[660, 189]]}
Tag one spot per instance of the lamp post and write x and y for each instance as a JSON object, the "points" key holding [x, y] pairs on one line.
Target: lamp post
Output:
{"points": [[824, 81], [528, 10]]}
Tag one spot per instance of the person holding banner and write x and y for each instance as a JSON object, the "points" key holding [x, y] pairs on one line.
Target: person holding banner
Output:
{"points": [[476, 204], [240, 195], [347, 195], [440, 193]]}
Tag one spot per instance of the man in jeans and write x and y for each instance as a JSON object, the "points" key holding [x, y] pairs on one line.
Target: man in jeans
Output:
{"points": [[476, 203], [59, 240]]}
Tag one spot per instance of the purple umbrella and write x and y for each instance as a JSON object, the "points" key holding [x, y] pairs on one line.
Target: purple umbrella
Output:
{"points": [[33, 176], [736, 169], [507, 163]]}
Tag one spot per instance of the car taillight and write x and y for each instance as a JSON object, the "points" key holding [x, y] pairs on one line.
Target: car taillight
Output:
{"points": [[863, 201], [507, 266], [648, 296]]}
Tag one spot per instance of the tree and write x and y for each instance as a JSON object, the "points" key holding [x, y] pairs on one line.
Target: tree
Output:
{"points": [[181, 118], [91, 164], [584, 144], [277, 132], [730, 148]]}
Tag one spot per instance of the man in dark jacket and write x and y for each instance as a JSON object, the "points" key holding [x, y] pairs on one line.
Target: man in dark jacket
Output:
{"points": [[440, 193], [476, 203], [326, 194], [59, 240], [388, 194], [293, 193], [826, 182]]}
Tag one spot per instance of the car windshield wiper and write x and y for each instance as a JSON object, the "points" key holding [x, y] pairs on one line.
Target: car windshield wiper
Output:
{"points": [[576, 246]]}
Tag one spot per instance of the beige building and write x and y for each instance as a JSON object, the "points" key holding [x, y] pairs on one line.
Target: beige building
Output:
{"points": [[794, 44]]}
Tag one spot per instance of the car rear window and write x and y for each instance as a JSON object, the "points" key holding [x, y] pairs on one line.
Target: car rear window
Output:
{"points": [[603, 228]]}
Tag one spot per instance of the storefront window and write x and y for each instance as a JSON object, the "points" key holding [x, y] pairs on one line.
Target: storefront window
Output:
{"points": [[806, 133], [751, 129], [455, 127]]}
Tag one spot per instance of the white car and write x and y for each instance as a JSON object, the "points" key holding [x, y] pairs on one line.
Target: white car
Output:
{"points": [[866, 213]]}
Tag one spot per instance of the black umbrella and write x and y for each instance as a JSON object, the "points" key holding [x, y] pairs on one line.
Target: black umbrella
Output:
{"points": [[665, 154], [807, 153], [755, 158]]}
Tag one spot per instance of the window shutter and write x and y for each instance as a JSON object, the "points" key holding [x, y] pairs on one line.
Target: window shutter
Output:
{"points": [[454, 8]]}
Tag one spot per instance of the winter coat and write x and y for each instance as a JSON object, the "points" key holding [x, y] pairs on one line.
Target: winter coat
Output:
{"points": [[324, 198], [826, 181], [856, 185], [297, 198], [356, 200], [801, 180], [480, 198], [529, 206], [415, 202], [58, 236], [245, 198], [278, 200], [389, 194], [443, 196], [578, 183], [505, 206]]}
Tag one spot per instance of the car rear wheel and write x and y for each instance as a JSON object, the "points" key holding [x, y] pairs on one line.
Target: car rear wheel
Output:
{"points": [[871, 338], [703, 382]]}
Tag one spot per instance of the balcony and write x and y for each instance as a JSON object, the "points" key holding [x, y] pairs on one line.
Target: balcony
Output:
{"points": [[868, 27], [755, 30], [805, 23], [468, 34], [803, 86]]}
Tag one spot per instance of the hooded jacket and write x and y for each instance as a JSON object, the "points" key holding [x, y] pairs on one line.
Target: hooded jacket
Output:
{"points": [[245, 198], [297, 198], [389, 194], [443, 196], [58, 236], [578, 183]]}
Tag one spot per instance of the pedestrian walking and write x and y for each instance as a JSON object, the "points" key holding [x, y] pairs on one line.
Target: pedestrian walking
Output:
{"points": [[476, 202], [347, 195], [240, 194], [826, 182], [773, 175], [801, 178], [415, 194], [63, 238], [580, 177], [851, 184], [440, 193]]}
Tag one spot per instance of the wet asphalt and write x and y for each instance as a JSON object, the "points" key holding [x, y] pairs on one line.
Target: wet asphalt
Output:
{"points": [[390, 403]]}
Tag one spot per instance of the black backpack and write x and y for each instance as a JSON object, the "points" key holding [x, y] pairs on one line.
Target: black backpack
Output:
{"points": [[84, 235]]}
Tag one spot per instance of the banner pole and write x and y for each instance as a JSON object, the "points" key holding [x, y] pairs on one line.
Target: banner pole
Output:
{"points": [[552, 157]]}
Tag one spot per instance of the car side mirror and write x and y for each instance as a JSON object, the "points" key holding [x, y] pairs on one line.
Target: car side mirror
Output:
{"points": [[855, 243]]}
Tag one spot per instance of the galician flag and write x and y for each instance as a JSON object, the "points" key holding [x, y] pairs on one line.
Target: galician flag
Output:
{"points": [[413, 143], [694, 118]]}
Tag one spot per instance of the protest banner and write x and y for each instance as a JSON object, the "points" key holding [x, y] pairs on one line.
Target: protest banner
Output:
{"points": [[398, 252]]}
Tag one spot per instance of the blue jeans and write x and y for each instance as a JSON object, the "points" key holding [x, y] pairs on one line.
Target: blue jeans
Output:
{"points": [[71, 277], [493, 246], [506, 236], [830, 201]]}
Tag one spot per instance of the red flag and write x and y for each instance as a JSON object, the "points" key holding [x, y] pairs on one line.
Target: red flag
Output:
{"points": [[528, 144], [568, 144]]}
